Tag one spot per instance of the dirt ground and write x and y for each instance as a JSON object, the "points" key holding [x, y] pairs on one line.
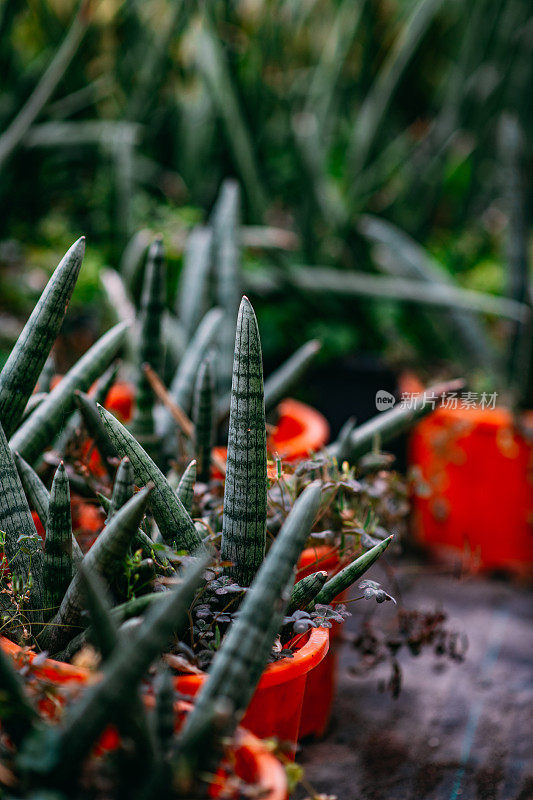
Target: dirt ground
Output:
{"points": [[458, 731]]}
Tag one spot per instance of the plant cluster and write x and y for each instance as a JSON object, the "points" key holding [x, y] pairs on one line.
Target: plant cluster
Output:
{"points": [[215, 592]]}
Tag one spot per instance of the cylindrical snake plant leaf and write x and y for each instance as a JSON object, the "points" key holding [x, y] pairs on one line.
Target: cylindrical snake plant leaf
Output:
{"points": [[173, 521], [182, 386], [203, 419], [150, 345], [22, 547], [123, 487], [36, 492], [192, 298], [141, 541], [305, 591], [93, 425], [185, 487], [245, 492], [18, 714], [244, 652], [26, 360], [106, 556], [58, 564], [39, 498], [40, 429], [227, 265], [47, 373], [347, 576], [58, 752]]}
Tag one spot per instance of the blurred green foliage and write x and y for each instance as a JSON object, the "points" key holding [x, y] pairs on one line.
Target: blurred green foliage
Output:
{"points": [[323, 109]]}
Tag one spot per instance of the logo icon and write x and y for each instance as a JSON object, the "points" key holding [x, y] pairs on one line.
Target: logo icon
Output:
{"points": [[384, 400]]}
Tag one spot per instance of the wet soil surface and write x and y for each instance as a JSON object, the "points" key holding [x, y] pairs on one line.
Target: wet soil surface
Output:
{"points": [[457, 731]]}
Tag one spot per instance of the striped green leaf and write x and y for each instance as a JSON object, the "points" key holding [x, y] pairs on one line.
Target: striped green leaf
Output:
{"points": [[23, 367], [40, 429], [150, 345], [192, 299], [22, 548], [245, 492], [227, 265], [39, 498], [182, 386], [203, 419], [305, 591], [173, 521], [347, 576], [123, 487], [238, 665], [185, 487], [106, 556], [58, 564]]}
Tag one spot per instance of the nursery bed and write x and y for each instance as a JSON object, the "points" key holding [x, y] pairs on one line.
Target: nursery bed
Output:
{"points": [[458, 731]]}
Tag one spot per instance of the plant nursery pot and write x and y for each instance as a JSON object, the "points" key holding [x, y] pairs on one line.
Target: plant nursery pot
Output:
{"points": [[322, 681], [251, 761], [301, 430], [473, 486], [276, 706]]}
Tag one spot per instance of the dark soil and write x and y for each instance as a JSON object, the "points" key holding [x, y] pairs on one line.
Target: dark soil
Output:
{"points": [[459, 730]]}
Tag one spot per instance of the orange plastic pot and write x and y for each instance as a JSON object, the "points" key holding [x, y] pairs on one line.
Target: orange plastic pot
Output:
{"points": [[473, 487], [301, 430], [276, 707], [250, 760], [322, 681]]}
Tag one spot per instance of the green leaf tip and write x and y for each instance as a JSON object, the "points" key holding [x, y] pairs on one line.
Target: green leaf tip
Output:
{"points": [[26, 361], [171, 517]]}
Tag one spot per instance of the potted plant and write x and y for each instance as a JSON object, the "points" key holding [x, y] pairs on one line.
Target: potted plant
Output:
{"points": [[43, 600], [100, 731]]}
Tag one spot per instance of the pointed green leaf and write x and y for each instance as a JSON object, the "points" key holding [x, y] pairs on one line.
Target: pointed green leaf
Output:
{"points": [[150, 345], [194, 279], [172, 519], [57, 566], [40, 429], [203, 419], [123, 487], [185, 487], [39, 498], [182, 385], [23, 547], [227, 265], [22, 368], [305, 591], [347, 576]]}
